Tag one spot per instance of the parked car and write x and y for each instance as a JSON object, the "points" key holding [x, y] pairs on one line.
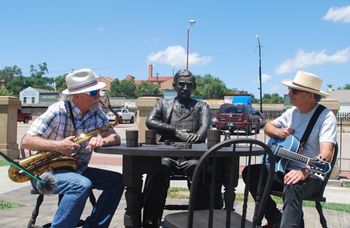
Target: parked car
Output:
{"points": [[237, 117], [23, 116], [261, 117], [124, 114], [110, 116]]}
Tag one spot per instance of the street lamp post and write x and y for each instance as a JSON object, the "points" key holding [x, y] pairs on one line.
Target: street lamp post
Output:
{"points": [[190, 24], [260, 85]]}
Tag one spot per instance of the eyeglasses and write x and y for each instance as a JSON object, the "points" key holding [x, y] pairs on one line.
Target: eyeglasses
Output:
{"points": [[93, 93], [295, 91]]}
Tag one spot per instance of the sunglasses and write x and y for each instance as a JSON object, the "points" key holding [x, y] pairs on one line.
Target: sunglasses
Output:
{"points": [[295, 91], [93, 93]]}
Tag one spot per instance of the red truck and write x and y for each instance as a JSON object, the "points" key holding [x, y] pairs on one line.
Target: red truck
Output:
{"points": [[23, 116]]}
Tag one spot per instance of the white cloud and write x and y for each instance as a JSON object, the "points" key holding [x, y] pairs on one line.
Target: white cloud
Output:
{"points": [[265, 78], [338, 14], [305, 59], [176, 56]]}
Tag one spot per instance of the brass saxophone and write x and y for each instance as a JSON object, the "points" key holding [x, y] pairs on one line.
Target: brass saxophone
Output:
{"points": [[42, 162]]}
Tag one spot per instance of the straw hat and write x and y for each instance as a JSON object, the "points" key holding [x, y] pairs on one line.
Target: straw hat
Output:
{"points": [[82, 81], [306, 82]]}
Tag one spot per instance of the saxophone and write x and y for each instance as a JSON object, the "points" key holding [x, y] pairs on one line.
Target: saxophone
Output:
{"points": [[42, 162]]}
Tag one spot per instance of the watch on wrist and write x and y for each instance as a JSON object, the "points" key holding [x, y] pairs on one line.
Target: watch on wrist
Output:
{"points": [[307, 171]]}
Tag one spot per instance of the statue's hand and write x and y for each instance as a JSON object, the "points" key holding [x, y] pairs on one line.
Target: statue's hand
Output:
{"points": [[183, 135], [192, 137]]}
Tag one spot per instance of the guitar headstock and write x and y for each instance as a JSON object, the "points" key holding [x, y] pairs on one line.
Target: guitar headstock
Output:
{"points": [[319, 167]]}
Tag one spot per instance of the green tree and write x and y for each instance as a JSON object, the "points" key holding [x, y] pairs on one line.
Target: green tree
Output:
{"points": [[37, 79], [209, 87], [8, 73], [147, 89], [17, 84], [5, 92], [60, 82], [347, 86], [124, 88], [276, 99]]}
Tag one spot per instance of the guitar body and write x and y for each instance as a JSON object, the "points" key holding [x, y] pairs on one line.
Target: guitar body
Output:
{"points": [[287, 149], [290, 143]]}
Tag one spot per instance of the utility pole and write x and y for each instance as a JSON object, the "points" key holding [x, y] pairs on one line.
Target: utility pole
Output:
{"points": [[260, 84], [190, 24]]}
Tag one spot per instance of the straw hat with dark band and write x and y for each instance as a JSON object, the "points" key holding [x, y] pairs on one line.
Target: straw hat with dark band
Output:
{"points": [[306, 82], [82, 81]]}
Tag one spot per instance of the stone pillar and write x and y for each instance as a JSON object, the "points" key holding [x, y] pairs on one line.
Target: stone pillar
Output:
{"points": [[333, 105], [144, 107], [8, 125]]}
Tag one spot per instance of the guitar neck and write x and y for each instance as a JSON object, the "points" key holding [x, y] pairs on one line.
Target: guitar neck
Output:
{"points": [[293, 156]]}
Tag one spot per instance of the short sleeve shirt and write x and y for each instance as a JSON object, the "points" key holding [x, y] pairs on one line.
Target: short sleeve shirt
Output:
{"points": [[324, 130], [53, 124]]}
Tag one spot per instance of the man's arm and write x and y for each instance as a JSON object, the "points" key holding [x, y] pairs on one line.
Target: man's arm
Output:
{"points": [[155, 120], [65, 146], [275, 132], [204, 122], [326, 151], [109, 138]]}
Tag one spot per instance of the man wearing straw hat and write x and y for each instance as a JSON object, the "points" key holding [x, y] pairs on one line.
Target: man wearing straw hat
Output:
{"points": [[298, 180], [54, 130]]}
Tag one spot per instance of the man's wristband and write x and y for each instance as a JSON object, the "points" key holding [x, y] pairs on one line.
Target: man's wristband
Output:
{"points": [[307, 171]]}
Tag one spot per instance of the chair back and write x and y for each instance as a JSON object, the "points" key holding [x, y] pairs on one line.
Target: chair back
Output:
{"points": [[237, 147]]}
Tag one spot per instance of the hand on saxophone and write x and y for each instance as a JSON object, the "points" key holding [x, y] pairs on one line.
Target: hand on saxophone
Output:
{"points": [[67, 146], [94, 143]]}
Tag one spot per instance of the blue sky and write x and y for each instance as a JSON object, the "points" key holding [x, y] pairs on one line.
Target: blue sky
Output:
{"points": [[117, 38]]}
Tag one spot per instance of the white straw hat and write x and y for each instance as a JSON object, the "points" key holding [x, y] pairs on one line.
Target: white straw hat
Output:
{"points": [[82, 81], [306, 82]]}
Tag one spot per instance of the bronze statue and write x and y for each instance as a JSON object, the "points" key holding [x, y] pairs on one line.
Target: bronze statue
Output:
{"points": [[180, 119]]}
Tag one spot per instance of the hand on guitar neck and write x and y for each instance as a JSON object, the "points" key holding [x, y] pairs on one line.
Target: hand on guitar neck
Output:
{"points": [[287, 149]]}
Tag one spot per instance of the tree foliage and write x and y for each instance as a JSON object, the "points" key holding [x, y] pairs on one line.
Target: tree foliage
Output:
{"points": [[60, 82], [347, 86], [5, 92], [15, 81], [147, 89], [123, 88], [209, 87]]}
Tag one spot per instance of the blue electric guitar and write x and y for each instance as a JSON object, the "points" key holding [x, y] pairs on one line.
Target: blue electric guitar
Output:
{"points": [[287, 149]]}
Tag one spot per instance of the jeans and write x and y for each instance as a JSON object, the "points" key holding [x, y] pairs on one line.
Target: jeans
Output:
{"points": [[293, 194], [76, 188]]}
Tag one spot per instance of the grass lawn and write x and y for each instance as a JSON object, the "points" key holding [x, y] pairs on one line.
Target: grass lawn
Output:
{"points": [[3, 163], [7, 205], [183, 193]]}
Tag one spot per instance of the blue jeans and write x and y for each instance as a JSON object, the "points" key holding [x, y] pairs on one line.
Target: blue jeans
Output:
{"points": [[76, 188]]}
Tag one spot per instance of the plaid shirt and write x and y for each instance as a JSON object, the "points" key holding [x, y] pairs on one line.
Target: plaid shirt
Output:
{"points": [[56, 124]]}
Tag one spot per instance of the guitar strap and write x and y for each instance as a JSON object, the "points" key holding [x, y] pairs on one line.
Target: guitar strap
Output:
{"points": [[310, 125]]}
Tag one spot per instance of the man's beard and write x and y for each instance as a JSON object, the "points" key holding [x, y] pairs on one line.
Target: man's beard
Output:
{"points": [[94, 107]]}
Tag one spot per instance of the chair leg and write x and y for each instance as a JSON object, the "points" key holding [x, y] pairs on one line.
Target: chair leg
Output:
{"points": [[323, 220], [35, 212]]}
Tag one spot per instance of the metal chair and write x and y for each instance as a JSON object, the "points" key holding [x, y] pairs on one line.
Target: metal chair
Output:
{"points": [[226, 217], [318, 198], [40, 199]]}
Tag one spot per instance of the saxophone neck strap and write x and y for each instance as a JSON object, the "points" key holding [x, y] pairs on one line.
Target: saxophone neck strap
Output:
{"points": [[70, 114]]}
